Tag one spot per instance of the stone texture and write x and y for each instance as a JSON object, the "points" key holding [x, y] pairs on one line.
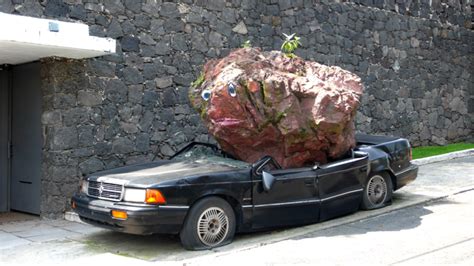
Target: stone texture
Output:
{"points": [[130, 44], [299, 112], [56, 8], [64, 138], [6, 6], [89, 98], [240, 28], [122, 145], [164, 82], [91, 165]]}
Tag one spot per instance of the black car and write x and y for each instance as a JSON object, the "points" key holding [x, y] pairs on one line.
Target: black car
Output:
{"points": [[205, 196]]}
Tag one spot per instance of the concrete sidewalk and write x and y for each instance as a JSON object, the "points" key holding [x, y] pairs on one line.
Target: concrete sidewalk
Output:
{"points": [[58, 241]]}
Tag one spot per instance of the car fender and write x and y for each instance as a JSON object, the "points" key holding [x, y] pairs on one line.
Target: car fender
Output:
{"points": [[379, 162]]}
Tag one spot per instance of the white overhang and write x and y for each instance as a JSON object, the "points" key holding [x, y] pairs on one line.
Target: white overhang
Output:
{"points": [[25, 39]]}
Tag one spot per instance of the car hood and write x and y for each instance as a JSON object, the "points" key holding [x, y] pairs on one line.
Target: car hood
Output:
{"points": [[158, 172]]}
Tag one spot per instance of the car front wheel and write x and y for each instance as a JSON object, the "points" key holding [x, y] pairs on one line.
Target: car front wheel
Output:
{"points": [[377, 192], [210, 223]]}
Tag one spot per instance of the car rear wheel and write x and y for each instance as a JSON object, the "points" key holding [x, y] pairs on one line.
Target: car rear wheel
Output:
{"points": [[210, 223], [377, 192]]}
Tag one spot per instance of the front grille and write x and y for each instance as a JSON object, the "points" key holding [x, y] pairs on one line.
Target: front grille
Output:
{"points": [[106, 191]]}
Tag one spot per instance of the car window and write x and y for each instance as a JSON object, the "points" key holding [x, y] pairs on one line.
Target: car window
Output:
{"points": [[209, 155], [267, 164], [198, 151], [270, 166]]}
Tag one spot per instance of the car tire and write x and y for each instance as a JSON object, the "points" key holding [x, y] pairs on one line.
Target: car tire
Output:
{"points": [[377, 192], [210, 223]]}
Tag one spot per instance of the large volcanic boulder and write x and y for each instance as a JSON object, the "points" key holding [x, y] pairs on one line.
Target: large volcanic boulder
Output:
{"points": [[265, 103]]}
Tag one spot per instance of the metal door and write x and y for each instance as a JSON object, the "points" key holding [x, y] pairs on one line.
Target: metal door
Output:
{"points": [[26, 138], [4, 150]]}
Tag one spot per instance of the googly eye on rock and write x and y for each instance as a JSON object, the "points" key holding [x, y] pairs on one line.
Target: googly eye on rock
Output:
{"points": [[206, 95], [231, 90]]}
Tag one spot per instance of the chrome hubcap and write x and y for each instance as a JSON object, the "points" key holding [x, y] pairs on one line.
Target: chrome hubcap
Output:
{"points": [[212, 227], [376, 190]]}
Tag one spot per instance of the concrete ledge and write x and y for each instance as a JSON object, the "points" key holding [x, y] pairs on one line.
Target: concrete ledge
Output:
{"points": [[444, 157], [25, 39]]}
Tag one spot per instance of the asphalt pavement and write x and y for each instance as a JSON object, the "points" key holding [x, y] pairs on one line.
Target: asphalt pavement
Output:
{"points": [[428, 222]]}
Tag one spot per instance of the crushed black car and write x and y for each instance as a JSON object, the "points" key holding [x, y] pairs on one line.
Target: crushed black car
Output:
{"points": [[206, 196]]}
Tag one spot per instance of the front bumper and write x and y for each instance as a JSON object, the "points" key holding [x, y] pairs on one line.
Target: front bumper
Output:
{"points": [[142, 219], [406, 176]]}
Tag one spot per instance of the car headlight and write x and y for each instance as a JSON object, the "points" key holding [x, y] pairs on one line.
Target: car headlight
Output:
{"points": [[154, 196], [134, 195], [84, 186]]}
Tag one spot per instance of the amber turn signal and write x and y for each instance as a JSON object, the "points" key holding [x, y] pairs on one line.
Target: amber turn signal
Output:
{"points": [[73, 204], [119, 215], [154, 196]]}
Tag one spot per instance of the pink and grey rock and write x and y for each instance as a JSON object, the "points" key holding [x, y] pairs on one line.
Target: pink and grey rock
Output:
{"points": [[264, 103]]}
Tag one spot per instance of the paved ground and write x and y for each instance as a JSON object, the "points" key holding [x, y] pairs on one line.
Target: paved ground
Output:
{"points": [[436, 233], [428, 221]]}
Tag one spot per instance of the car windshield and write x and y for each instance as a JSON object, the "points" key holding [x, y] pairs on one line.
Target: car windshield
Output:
{"points": [[207, 154]]}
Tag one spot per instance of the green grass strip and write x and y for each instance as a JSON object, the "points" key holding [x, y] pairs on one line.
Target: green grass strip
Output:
{"points": [[427, 151]]}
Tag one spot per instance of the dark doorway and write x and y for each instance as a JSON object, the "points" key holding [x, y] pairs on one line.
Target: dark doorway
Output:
{"points": [[24, 140], [4, 139]]}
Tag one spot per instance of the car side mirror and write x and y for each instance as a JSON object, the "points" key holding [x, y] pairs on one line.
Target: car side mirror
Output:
{"points": [[316, 166], [267, 180]]}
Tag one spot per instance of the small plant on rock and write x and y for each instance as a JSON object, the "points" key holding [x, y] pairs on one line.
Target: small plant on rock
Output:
{"points": [[291, 43], [199, 81], [247, 44]]}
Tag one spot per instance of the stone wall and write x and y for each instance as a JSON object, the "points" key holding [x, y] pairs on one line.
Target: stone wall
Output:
{"points": [[456, 12], [415, 61]]}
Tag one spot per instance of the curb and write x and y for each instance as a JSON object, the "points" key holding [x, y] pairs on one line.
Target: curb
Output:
{"points": [[444, 157]]}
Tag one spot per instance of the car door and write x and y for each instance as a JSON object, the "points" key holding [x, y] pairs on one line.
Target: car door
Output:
{"points": [[341, 185], [292, 199]]}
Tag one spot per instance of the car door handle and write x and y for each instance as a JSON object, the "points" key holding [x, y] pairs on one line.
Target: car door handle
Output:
{"points": [[363, 169], [309, 182]]}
